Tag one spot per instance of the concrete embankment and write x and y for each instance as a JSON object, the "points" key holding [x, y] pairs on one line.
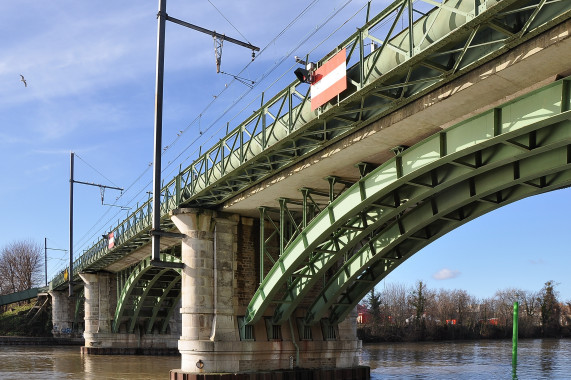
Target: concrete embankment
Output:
{"points": [[39, 341]]}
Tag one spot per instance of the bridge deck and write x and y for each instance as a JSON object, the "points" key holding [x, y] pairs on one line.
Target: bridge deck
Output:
{"points": [[523, 69], [413, 60], [19, 296]]}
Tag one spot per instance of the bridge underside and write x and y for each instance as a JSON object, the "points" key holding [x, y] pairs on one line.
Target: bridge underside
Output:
{"points": [[512, 151], [526, 67]]}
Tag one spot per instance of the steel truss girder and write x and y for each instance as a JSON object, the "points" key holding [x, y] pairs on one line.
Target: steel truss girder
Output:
{"points": [[540, 117], [292, 221], [425, 224], [238, 160], [137, 280], [79, 308]]}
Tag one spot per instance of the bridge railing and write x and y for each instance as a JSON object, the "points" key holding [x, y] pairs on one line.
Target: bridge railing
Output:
{"points": [[284, 128]]}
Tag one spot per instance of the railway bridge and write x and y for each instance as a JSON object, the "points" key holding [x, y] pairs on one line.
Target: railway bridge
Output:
{"points": [[271, 237]]}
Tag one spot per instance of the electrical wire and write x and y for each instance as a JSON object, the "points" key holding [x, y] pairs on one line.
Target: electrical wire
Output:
{"points": [[263, 76], [197, 119], [97, 171], [267, 73], [287, 27], [236, 29]]}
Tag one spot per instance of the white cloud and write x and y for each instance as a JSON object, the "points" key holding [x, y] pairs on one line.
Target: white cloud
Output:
{"points": [[446, 274]]}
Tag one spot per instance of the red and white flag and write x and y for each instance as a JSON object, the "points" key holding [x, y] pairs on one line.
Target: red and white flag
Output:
{"points": [[111, 240], [329, 80]]}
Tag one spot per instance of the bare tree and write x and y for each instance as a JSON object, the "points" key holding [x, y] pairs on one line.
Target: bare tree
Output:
{"points": [[444, 307], [420, 300], [505, 299], [465, 306], [395, 305], [20, 266]]}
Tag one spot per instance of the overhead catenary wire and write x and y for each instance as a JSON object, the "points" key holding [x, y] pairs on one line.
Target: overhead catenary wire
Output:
{"points": [[247, 82], [303, 12], [102, 189], [225, 18], [262, 77], [138, 194], [198, 118], [326, 20], [94, 169], [267, 73]]}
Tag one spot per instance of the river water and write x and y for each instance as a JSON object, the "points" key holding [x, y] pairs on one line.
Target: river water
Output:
{"points": [[537, 359]]}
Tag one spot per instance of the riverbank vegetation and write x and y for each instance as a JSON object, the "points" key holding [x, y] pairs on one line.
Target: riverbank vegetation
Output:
{"points": [[400, 313], [26, 319], [20, 266], [21, 269]]}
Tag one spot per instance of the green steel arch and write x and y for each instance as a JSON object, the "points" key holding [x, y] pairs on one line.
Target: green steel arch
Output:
{"points": [[519, 149], [147, 291]]}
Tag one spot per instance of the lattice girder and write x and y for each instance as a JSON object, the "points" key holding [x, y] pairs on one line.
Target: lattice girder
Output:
{"points": [[480, 144]]}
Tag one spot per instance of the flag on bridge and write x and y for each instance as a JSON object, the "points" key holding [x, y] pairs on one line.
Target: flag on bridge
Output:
{"points": [[111, 240], [329, 80]]}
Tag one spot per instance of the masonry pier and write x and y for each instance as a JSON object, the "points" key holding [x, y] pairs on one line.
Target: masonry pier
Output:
{"points": [[214, 338], [100, 307], [63, 314]]}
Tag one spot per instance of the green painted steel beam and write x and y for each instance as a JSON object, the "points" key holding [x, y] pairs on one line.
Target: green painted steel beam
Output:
{"points": [[162, 301], [501, 181], [358, 290], [7, 299], [79, 307], [171, 310], [137, 273], [536, 120], [147, 286]]}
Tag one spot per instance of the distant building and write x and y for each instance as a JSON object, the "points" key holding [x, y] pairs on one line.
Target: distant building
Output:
{"points": [[363, 315]]}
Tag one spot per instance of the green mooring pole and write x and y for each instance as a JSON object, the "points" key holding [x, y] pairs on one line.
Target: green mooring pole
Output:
{"points": [[514, 335]]}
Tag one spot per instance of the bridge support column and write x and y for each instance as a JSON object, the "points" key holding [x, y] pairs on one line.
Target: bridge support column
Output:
{"points": [[63, 314], [223, 324], [212, 341], [100, 304], [207, 288]]}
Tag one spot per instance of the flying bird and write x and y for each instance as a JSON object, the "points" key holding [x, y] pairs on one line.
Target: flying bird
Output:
{"points": [[23, 80]]}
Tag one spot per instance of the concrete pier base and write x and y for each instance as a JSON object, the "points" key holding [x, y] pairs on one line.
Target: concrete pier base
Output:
{"points": [[353, 373], [63, 314], [100, 305], [149, 351], [213, 341], [130, 344]]}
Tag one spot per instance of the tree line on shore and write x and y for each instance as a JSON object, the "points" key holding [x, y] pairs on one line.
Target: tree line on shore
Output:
{"points": [[401, 313], [20, 266]]}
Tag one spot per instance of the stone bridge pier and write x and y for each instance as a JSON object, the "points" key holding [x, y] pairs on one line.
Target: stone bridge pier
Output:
{"points": [[63, 314], [218, 280], [100, 291]]}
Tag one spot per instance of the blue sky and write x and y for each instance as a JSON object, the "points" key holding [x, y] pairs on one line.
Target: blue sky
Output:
{"points": [[90, 71]]}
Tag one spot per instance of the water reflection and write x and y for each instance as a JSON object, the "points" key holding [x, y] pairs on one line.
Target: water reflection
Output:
{"points": [[537, 359], [548, 352], [67, 363], [126, 367]]}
